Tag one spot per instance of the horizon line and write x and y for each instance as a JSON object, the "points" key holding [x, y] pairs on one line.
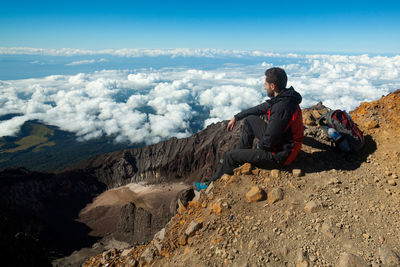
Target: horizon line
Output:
{"points": [[174, 52]]}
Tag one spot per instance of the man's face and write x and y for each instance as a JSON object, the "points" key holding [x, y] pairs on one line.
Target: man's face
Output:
{"points": [[269, 89]]}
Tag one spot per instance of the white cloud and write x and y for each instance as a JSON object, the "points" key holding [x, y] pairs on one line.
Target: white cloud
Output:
{"points": [[147, 105], [86, 61]]}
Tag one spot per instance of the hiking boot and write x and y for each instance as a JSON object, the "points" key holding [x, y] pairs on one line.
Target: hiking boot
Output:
{"points": [[200, 186]]}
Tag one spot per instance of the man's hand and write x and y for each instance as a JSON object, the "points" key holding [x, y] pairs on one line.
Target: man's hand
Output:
{"points": [[231, 124]]}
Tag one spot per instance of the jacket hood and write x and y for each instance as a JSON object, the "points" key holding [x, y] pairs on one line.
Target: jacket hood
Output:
{"points": [[285, 94]]}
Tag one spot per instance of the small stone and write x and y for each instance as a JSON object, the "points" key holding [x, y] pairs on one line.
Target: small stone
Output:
{"points": [[392, 182], [336, 190], [255, 194], [244, 169], [274, 195], [209, 188], [197, 196], [125, 252], [183, 240], [326, 230], [388, 257], [312, 206], [333, 181], [225, 177], [193, 227], [131, 262], [256, 171], [302, 259], [275, 173], [371, 124], [376, 179], [366, 236], [388, 173], [218, 207], [316, 114], [351, 260], [296, 172], [148, 255], [158, 239]]}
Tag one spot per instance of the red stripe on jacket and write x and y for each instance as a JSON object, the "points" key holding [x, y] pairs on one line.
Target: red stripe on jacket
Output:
{"points": [[297, 129]]}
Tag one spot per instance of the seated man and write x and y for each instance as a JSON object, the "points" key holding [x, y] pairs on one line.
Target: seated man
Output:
{"points": [[280, 138]]}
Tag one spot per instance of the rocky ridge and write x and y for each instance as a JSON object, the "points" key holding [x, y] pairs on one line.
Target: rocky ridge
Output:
{"points": [[328, 209]]}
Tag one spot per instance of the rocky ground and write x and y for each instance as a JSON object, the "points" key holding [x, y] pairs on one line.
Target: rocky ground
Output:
{"points": [[328, 209]]}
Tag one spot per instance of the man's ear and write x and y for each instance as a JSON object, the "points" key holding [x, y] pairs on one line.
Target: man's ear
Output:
{"points": [[273, 86]]}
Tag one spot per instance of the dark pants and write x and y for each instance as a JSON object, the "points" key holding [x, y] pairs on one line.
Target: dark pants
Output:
{"points": [[253, 127]]}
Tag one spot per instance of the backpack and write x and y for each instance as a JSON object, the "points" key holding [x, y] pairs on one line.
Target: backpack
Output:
{"points": [[350, 138]]}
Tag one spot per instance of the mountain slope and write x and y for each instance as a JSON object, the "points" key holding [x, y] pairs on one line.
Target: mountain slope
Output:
{"points": [[341, 211]]}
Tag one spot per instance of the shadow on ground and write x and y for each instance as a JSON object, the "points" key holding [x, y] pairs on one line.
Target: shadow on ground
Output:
{"points": [[328, 158]]}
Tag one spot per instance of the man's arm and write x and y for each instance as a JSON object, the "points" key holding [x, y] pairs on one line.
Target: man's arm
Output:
{"points": [[257, 110]]}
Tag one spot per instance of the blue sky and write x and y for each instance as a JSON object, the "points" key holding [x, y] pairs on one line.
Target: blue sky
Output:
{"points": [[276, 26]]}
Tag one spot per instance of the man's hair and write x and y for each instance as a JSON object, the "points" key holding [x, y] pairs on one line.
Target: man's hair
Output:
{"points": [[276, 76]]}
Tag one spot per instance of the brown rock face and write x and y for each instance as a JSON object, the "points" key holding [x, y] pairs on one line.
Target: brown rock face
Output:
{"points": [[137, 225], [194, 158]]}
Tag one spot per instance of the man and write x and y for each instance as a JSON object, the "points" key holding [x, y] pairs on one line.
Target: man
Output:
{"points": [[280, 138]]}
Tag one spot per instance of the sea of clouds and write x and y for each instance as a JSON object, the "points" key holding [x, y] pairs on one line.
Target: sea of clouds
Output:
{"points": [[148, 105]]}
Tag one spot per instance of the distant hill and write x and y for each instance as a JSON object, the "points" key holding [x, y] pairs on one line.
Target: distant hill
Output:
{"points": [[42, 147]]}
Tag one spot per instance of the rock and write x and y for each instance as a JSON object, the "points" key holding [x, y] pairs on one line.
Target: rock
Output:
{"points": [[376, 179], [225, 177], [312, 206], [308, 119], [296, 172], [336, 190], [218, 207], [388, 173], [148, 255], [388, 257], [302, 259], [351, 260], [333, 181], [326, 230], [193, 227], [275, 173], [256, 171], [275, 195], [371, 124], [125, 252], [244, 169], [197, 196], [233, 178], [255, 194], [392, 182], [183, 240], [131, 262], [158, 239], [209, 189]]}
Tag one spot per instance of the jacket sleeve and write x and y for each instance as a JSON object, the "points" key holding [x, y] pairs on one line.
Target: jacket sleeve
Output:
{"points": [[280, 117], [257, 110]]}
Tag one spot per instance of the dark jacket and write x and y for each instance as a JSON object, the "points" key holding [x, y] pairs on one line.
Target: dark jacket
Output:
{"points": [[281, 111]]}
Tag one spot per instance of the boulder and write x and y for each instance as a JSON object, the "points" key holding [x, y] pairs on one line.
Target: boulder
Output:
{"points": [[255, 194], [274, 195]]}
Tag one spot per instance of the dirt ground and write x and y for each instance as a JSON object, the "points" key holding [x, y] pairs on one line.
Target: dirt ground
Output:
{"points": [[103, 213]]}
